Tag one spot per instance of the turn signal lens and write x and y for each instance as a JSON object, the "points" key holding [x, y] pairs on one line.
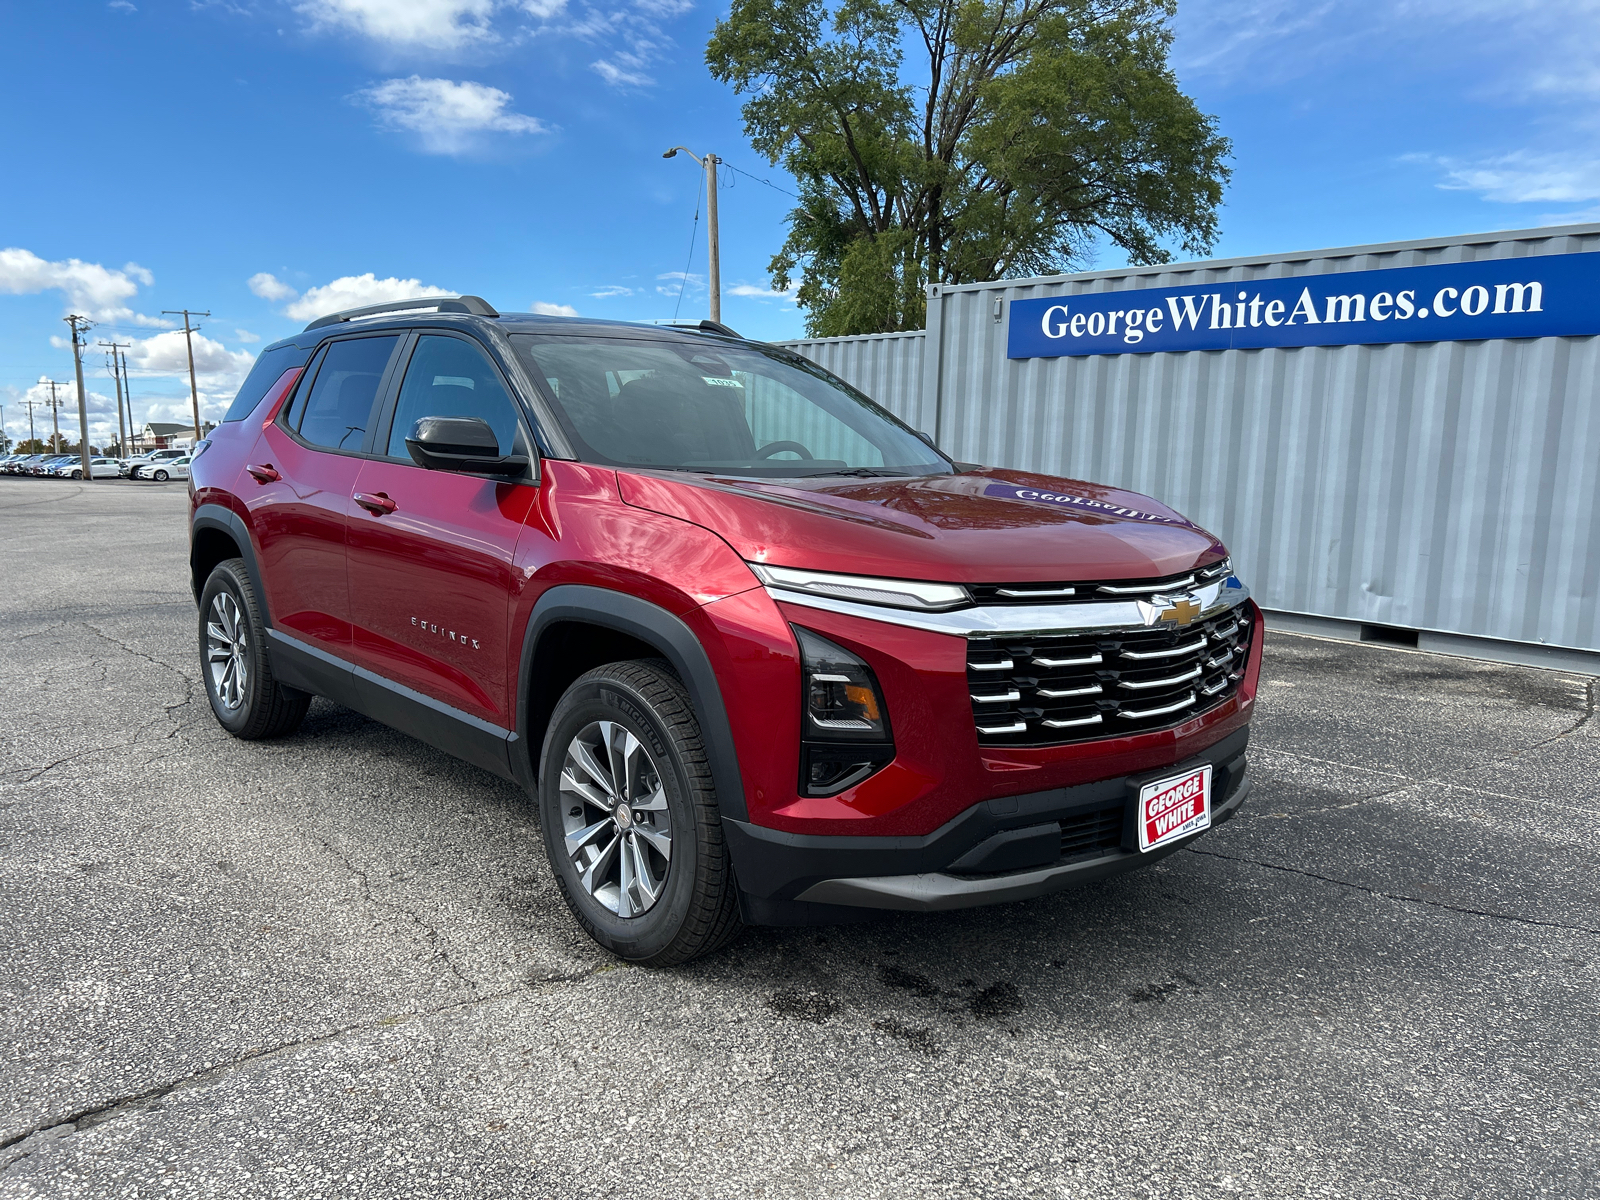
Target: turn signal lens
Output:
{"points": [[842, 698]]}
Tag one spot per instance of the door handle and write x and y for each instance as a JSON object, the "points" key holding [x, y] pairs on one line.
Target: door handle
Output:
{"points": [[264, 474], [378, 505]]}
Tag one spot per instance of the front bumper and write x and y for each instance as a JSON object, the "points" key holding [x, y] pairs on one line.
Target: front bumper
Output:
{"points": [[1011, 848]]}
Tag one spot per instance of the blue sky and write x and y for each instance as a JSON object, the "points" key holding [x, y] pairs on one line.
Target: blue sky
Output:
{"points": [[273, 159]]}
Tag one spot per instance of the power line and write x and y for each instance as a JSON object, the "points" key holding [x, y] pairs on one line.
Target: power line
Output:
{"points": [[693, 233], [758, 179]]}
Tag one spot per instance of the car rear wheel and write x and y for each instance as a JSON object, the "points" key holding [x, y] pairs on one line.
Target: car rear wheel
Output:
{"points": [[245, 698], [630, 817]]}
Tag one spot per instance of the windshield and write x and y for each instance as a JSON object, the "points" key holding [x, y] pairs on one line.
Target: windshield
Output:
{"points": [[718, 407]]}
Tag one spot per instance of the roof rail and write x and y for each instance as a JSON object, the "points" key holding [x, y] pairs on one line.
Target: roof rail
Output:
{"points": [[475, 305], [702, 327]]}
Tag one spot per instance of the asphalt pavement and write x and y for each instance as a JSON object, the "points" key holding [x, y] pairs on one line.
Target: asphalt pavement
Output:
{"points": [[336, 965]]}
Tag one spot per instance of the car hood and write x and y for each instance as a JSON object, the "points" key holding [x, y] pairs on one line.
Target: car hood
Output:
{"points": [[984, 526]]}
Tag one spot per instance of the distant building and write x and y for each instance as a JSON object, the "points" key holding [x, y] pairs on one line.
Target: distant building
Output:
{"points": [[160, 435]]}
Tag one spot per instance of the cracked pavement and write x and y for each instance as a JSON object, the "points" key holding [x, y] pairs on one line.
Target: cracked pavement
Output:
{"points": [[336, 965]]}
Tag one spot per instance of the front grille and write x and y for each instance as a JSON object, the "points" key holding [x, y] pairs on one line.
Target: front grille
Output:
{"points": [[1098, 591], [1045, 691], [1092, 832]]}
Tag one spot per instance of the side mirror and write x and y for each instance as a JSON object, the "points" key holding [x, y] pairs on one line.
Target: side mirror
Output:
{"points": [[927, 437], [461, 444]]}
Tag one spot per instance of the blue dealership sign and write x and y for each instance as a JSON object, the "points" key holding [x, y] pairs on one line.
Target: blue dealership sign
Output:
{"points": [[1545, 295]]}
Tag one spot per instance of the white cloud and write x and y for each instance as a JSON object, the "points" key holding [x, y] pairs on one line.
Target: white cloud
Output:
{"points": [[1520, 45], [245, 336], [674, 282], [270, 287], [448, 116], [408, 24], [623, 70], [97, 404], [167, 354], [610, 290], [759, 293], [545, 309], [123, 5], [1523, 177], [97, 292], [356, 291]]}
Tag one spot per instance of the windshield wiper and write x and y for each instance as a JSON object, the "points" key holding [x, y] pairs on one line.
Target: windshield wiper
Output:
{"points": [[862, 472]]}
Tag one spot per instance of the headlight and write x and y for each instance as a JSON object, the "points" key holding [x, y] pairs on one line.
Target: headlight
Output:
{"points": [[845, 734], [864, 589]]}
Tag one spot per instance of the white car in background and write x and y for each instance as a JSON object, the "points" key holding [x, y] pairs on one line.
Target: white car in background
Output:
{"points": [[165, 469], [141, 467], [99, 468]]}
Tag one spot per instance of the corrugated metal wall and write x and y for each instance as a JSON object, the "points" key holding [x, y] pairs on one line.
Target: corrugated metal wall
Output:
{"points": [[886, 366], [1445, 486]]}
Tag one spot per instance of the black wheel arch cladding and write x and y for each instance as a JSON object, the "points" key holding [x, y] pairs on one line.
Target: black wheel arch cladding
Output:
{"points": [[669, 637]]}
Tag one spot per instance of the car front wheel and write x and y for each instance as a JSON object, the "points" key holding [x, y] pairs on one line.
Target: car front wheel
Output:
{"points": [[630, 817], [245, 698], [161, 476]]}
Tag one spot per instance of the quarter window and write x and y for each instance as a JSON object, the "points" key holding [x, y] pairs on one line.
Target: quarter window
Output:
{"points": [[340, 403]]}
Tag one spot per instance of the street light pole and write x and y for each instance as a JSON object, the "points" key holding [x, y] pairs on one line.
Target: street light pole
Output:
{"points": [[708, 164]]}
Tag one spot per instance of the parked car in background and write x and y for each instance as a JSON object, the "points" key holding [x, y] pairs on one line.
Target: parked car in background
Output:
{"points": [[48, 465], [141, 466], [173, 468], [18, 464], [99, 468]]}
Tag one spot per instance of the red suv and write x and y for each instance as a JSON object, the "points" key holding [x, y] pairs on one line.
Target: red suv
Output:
{"points": [[759, 650]]}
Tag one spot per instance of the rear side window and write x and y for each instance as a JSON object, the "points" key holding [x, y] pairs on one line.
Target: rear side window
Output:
{"points": [[339, 405], [269, 366], [450, 377]]}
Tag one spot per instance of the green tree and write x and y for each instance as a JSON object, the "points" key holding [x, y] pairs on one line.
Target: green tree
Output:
{"points": [[954, 141]]}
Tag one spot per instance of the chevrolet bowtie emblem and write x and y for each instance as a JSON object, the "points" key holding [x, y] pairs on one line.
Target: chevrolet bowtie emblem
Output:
{"points": [[1180, 610]]}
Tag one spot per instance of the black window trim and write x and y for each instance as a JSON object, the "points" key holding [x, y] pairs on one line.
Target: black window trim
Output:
{"points": [[390, 396], [308, 379]]}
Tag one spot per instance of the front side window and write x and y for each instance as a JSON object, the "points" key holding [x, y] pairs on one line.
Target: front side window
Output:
{"points": [[716, 407], [451, 377], [339, 405]]}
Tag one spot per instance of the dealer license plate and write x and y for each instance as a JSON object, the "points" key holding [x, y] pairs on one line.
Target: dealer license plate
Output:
{"points": [[1174, 807]]}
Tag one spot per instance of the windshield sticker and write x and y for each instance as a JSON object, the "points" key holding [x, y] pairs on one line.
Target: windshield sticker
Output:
{"points": [[1010, 491], [722, 381]]}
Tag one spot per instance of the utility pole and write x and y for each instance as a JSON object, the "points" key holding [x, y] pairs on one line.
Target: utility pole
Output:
{"points": [[188, 337], [127, 388], [709, 165], [55, 419], [30, 404], [116, 375], [78, 338]]}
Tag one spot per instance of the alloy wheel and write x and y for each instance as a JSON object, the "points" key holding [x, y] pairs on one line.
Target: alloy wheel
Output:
{"points": [[615, 818], [227, 651]]}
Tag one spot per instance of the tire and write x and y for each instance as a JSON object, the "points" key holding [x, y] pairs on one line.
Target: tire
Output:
{"points": [[644, 711], [78, 474], [160, 476], [256, 706]]}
